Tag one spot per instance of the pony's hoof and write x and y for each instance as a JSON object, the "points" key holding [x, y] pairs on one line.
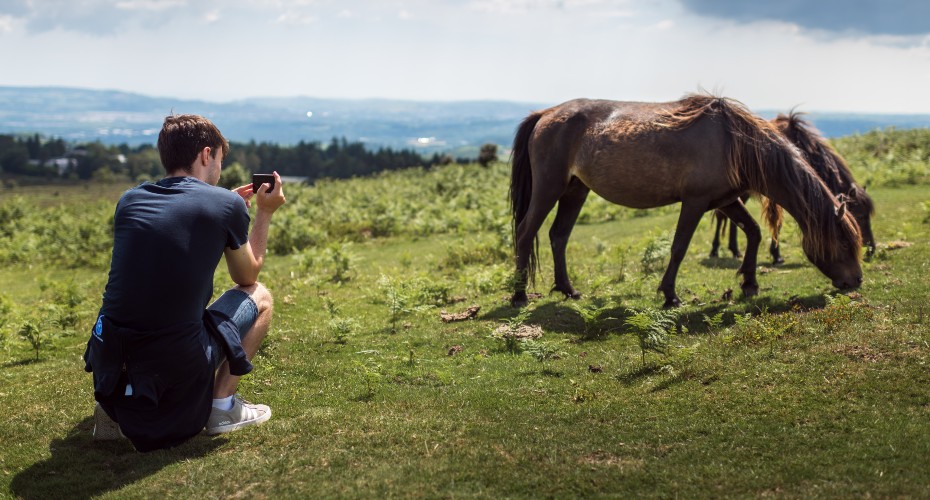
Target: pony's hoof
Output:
{"points": [[519, 299], [750, 290], [671, 303], [779, 261], [568, 292], [737, 255]]}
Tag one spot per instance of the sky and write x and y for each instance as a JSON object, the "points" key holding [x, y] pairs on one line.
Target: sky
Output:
{"points": [[817, 55]]}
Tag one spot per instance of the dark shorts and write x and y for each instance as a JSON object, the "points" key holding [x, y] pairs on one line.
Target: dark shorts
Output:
{"points": [[239, 306]]}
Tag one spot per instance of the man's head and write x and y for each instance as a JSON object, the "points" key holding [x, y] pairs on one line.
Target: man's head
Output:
{"points": [[183, 139]]}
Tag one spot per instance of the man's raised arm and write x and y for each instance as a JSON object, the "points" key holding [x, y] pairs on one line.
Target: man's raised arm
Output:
{"points": [[245, 262]]}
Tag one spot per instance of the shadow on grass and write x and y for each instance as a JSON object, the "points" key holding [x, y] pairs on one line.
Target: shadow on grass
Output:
{"points": [[721, 262], [732, 263], [367, 397], [561, 318], [80, 467], [644, 371], [22, 362], [694, 318]]}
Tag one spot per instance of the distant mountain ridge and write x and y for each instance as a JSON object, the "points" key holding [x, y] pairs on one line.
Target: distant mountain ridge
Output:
{"points": [[458, 127]]}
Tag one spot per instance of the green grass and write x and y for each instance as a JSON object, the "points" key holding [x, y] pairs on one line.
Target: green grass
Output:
{"points": [[799, 392]]}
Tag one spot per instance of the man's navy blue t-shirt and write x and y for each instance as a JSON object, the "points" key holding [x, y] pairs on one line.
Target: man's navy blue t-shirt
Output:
{"points": [[168, 239]]}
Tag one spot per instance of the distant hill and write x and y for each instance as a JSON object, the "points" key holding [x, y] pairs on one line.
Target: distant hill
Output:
{"points": [[458, 127], [120, 117]]}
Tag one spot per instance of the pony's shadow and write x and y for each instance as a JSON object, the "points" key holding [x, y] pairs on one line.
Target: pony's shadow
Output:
{"points": [[733, 263], [82, 468], [721, 262], [559, 317], [553, 317]]}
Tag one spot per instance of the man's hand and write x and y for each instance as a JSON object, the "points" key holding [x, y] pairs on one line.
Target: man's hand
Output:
{"points": [[269, 201], [246, 193]]}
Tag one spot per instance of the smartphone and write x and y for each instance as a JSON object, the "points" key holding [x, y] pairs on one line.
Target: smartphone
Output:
{"points": [[259, 179]]}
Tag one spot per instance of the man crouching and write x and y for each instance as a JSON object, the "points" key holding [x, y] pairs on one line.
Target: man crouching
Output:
{"points": [[165, 366]]}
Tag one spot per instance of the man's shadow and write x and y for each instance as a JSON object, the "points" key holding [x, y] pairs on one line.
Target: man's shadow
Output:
{"points": [[83, 468]]}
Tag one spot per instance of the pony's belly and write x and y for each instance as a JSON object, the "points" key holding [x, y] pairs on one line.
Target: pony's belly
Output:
{"points": [[636, 199], [634, 191]]}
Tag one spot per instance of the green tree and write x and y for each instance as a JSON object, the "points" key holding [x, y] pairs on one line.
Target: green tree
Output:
{"points": [[234, 175], [487, 155]]}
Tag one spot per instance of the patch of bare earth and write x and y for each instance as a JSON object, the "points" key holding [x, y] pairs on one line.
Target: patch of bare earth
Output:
{"points": [[520, 332], [601, 458], [895, 245], [470, 313], [869, 354]]}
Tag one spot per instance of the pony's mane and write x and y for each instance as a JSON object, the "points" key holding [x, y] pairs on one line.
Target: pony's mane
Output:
{"points": [[758, 155], [821, 156]]}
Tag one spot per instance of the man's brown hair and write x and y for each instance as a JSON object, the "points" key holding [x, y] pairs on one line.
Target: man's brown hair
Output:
{"points": [[183, 137]]}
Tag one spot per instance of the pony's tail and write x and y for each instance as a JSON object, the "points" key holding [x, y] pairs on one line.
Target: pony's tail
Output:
{"points": [[521, 185], [773, 213]]}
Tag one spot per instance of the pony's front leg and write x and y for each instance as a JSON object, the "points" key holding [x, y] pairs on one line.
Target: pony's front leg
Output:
{"points": [[688, 221], [737, 213]]}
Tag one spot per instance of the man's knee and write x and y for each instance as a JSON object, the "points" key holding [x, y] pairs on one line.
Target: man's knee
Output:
{"points": [[260, 295]]}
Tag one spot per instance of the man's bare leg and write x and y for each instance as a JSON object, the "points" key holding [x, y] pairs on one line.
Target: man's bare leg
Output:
{"points": [[226, 384]]}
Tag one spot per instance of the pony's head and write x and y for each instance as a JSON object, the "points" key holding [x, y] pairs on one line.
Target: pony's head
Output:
{"points": [[839, 256], [831, 168]]}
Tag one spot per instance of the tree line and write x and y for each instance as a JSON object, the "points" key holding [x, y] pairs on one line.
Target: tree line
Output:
{"points": [[49, 158]]}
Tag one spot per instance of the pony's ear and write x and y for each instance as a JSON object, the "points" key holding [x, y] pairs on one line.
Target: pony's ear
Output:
{"points": [[840, 211]]}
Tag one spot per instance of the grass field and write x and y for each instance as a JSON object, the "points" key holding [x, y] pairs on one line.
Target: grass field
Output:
{"points": [[799, 392]]}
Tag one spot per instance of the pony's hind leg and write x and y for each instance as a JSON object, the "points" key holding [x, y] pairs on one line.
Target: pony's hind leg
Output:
{"points": [[775, 252], [542, 201], [733, 244], [721, 223], [688, 220], [737, 213], [569, 207]]}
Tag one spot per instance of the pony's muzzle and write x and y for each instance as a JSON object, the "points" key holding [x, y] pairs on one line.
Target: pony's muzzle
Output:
{"points": [[848, 283]]}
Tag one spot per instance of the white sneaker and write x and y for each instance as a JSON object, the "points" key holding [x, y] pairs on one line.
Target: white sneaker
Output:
{"points": [[105, 429], [242, 414]]}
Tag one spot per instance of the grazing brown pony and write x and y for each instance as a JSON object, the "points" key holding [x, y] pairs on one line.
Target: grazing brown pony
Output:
{"points": [[701, 151], [830, 167]]}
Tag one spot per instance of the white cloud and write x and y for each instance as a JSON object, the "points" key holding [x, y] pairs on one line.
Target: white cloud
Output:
{"points": [[212, 16], [665, 24], [282, 3], [609, 7], [6, 24], [510, 6], [297, 18], [150, 4]]}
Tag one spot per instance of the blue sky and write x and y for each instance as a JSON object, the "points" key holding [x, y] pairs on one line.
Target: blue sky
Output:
{"points": [[820, 55]]}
